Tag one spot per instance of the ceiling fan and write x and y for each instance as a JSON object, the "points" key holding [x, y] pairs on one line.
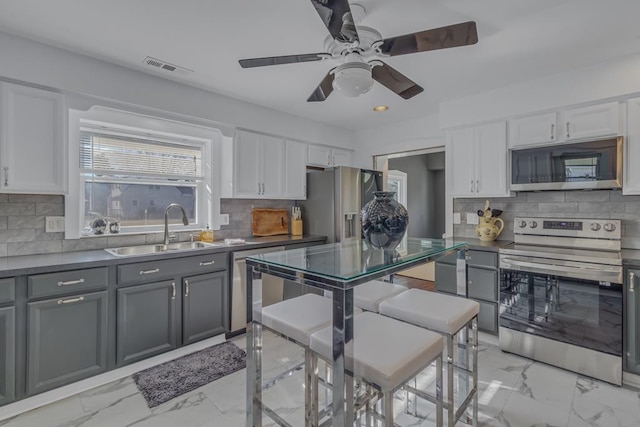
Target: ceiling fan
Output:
{"points": [[359, 46]]}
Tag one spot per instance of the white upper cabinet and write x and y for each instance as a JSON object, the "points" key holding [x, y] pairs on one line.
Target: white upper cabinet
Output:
{"points": [[631, 171], [590, 122], [32, 149], [268, 167], [258, 166], [532, 130], [594, 121], [478, 161], [326, 157], [296, 170]]}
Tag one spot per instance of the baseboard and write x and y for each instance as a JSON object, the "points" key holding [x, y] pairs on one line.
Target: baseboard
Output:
{"points": [[30, 403]]}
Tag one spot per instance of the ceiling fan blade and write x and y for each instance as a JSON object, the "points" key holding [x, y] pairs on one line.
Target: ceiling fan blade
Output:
{"points": [[462, 34], [395, 81], [323, 90], [278, 60], [336, 16]]}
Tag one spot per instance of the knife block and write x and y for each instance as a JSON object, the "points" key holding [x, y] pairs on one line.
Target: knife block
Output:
{"points": [[296, 227]]}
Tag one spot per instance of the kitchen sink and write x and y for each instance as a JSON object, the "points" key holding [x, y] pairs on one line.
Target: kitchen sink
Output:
{"points": [[159, 249]]}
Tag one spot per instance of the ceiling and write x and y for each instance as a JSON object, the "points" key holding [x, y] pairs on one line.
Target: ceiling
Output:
{"points": [[519, 40]]}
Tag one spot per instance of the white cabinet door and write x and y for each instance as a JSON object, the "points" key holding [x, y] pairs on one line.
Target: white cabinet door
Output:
{"points": [[32, 152], [247, 165], [319, 155], [631, 170], [340, 157], [531, 130], [273, 167], [460, 146], [296, 170], [491, 160], [589, 122]]}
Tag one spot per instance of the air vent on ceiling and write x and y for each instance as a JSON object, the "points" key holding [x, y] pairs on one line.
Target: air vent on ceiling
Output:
{"points": [[162, 65]]}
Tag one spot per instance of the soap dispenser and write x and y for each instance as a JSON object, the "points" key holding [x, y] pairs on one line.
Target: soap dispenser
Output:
{"points": [[206, 235]]}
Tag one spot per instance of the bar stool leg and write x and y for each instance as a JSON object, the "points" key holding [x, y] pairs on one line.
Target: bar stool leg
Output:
{"points": [[474, 326], [387, 401], [310, 389], [450, 367], [438, 391]]}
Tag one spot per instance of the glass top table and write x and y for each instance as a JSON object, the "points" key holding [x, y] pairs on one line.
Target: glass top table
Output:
{"points": [[338, 267]]}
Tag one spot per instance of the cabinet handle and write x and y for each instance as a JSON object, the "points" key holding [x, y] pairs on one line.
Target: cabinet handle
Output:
{"points": [[568, 133], [173, 290], [632, 277], [71, 282], [333, 161], [203, 263], [186, 289], [155, 270], [70, 300], [263, 188], [258, 188], [329, 159], [6, 176], [477, 186], [471, 188], [553, 126]]}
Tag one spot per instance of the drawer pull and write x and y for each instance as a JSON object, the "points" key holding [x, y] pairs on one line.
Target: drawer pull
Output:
{"points": [[186, 288], [155, 270], [71, 282], [632, 277], [173, 290], [70, 300], [203, 263]]}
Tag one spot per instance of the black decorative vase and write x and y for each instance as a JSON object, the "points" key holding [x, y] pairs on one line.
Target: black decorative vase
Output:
{"points": [[384, 221]]}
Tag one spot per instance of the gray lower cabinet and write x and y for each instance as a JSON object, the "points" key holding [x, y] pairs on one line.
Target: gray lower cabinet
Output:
{"points": [[631, 339], [482, 284], [7, 355], [204, 306], [66, 340], [146, 321]]}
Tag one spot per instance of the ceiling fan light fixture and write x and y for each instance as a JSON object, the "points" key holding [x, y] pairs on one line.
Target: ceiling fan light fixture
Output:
{"points": [[380, 108], [353, 79]]}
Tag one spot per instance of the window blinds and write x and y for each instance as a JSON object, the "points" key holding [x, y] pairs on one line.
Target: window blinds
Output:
{"points": [[124, 156]]}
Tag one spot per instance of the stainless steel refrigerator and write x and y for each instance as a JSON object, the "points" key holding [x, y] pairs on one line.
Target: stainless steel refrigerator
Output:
{"points": [[334, 199]]}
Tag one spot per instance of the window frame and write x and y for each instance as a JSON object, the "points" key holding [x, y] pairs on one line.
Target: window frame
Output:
{"points": [[131, 124]]}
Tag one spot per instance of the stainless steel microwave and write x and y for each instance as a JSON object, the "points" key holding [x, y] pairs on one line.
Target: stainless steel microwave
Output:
{"points": [[579, 165]]}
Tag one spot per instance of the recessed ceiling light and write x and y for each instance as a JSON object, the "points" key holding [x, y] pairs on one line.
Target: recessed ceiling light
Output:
{"points": [[380, 108]]}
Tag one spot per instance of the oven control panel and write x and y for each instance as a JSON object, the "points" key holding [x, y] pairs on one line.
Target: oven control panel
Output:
{"points": [[568, 227]]}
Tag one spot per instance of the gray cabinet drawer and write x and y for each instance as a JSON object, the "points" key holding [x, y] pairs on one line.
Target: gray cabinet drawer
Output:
{"points": [[165, 268], [483, 259], [44, 285], [483, 284], [446, 278], [488, 317], [449, 259], [7, 290]]}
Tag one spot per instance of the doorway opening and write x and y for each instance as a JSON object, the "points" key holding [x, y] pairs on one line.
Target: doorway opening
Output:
{"points": [[418, 178]]}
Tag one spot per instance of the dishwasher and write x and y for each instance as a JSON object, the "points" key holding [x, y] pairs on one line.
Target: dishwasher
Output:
{"points": [[272, 289]]}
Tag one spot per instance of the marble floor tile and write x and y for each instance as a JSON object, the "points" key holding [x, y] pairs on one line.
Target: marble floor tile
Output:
{"points": [[513, 392]]}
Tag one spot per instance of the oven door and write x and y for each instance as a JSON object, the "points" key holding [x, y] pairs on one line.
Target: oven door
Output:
{"points": [[585, 312]]}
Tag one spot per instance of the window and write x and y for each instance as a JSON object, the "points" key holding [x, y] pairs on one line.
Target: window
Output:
{"points": [[129, 166], [132, 178]]}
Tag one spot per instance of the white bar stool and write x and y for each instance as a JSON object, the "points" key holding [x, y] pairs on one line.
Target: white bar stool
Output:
{"points": [[388, 354], [368, 296], [447, 315]]}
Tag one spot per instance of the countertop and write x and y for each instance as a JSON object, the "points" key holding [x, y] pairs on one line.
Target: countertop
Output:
{"points": [[485, 246], [33, 264], [631, 257]]}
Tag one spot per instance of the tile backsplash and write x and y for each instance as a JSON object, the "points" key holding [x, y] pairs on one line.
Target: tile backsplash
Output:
{"points": [[602, 204], [22, 225]]}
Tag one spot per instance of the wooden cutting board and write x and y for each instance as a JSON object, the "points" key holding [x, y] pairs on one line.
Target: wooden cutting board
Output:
{"points": [[269, 222]]}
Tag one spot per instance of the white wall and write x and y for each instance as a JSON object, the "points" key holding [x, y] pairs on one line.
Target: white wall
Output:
{"points": [[602, 81], [410, 135], [28, 61]]}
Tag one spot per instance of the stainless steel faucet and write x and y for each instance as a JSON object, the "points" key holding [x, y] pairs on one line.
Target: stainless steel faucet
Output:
{"points": [[185, 220]]}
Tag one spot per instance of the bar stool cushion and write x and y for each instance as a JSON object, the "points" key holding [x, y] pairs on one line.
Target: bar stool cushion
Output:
{"points": [[368, 296], [388, 352], [442, 313], [298, 317]]}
